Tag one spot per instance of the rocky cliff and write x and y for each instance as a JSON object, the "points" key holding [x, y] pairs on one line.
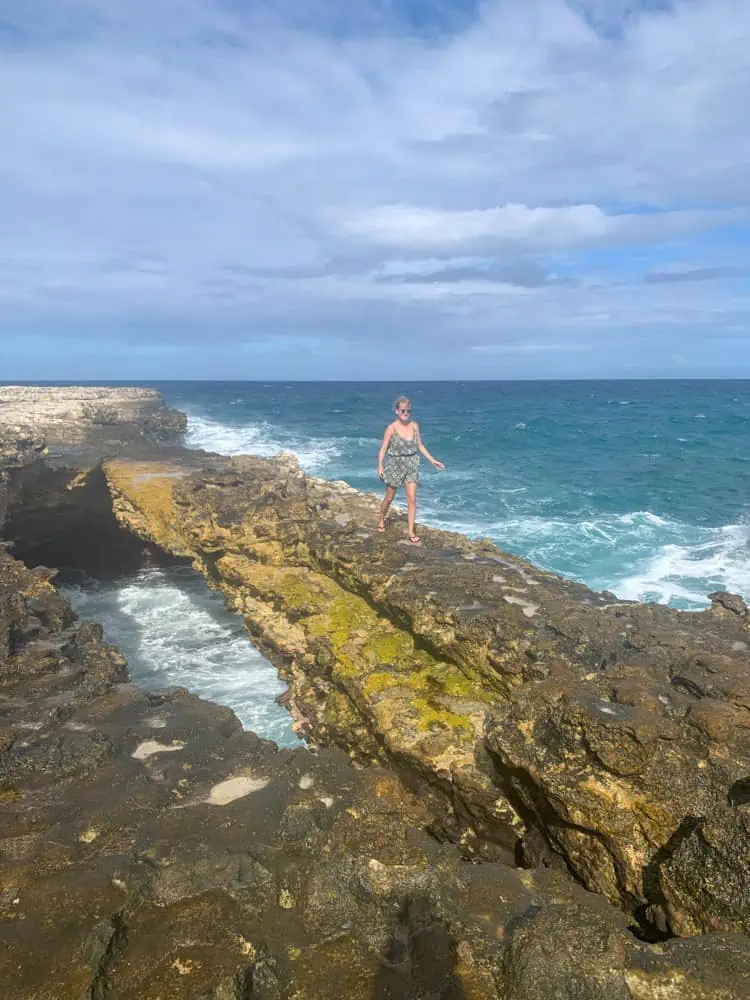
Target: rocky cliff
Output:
{"points": [[150, 848], [19, 447], [609, 738], [88, 414]]}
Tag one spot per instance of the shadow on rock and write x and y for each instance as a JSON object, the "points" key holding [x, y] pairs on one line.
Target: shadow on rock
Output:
{"points": [[420, 962]]}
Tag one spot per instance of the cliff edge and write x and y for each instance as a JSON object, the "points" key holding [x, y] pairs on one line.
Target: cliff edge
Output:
{"points": [[609, 738], [592, 754], [74, 415], [149, 848]]}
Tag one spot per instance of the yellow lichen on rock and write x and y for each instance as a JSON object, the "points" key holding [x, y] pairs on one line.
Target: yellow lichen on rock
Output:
{"points": [[433, 714], [143, 500], [369, 656], [357, 676]]}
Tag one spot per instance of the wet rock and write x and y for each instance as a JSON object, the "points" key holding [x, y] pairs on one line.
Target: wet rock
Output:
{"points": [[729, 602]]}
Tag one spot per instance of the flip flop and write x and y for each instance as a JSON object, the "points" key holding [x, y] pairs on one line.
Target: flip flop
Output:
{"points": [[415, 540], [379, 528]]}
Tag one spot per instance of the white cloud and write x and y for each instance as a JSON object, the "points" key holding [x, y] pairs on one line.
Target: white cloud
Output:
{"points": [[398, 268], [429, 228], [521, 226], [528, 347], [268, 169]]}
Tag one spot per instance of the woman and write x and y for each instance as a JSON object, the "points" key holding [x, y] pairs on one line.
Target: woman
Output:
{"points": [[398, 464]]}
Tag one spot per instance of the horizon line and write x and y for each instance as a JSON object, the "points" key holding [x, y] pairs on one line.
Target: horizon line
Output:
{"points": [[104, 382]]}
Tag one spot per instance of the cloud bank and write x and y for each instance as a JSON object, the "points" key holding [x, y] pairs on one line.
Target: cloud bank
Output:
{"points": [[541, 188]]}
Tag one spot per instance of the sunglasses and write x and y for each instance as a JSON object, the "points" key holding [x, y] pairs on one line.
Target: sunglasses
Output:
{"points": [[404, 411]]}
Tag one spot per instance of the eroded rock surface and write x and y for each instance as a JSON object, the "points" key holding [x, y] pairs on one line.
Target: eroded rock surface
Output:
{"points": [[83, 414], [609, 738], [19, 447], [151, 849]]}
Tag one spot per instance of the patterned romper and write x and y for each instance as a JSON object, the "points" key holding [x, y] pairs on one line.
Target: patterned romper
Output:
{"points": [[401, 461]]}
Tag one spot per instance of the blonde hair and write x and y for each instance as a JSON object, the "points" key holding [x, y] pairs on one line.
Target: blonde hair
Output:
{"points": [[400, 400]]}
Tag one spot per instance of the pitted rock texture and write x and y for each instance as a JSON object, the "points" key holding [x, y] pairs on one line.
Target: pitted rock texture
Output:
{"points": [[151, 849], [88, 414], [609, 738]]}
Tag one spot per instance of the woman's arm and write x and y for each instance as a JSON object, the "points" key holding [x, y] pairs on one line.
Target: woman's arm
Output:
{"points": [[383, 448], [425, 452]]}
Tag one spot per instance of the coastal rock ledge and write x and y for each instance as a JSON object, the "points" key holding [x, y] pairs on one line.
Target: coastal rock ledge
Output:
{"points": [[608, 738], [519, 789], [152, 850], [65, 415]]}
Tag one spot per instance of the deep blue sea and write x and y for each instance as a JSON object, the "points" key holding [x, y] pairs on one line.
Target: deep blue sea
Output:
{"points": [[638, 487]]}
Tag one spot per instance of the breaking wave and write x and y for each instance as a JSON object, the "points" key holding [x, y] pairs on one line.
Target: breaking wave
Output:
{"points": [[175, 632]]}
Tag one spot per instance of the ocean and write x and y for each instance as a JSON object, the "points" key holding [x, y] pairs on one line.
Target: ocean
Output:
{"points": [[637, 487]]}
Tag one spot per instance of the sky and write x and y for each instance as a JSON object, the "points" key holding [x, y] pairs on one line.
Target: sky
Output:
{"points": [[382, 189]]}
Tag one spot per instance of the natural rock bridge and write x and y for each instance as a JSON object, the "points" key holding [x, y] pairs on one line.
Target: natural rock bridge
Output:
{"points": [[506, 716]]}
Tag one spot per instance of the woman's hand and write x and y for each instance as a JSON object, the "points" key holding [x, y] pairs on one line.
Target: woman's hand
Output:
{"points": [[438, 465], [381, 474]]}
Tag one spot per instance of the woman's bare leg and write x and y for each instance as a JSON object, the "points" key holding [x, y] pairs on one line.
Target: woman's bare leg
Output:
{"points": [[411, 507], [390, 493]]}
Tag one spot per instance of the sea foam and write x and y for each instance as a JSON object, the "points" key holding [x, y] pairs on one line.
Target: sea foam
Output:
{"points": [[683, 574], [639, 555], [174, 632], [259, 439]]}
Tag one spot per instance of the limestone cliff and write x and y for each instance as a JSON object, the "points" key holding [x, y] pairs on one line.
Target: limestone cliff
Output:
{"points": [[19, 447], [88, 414], [610, 738]]}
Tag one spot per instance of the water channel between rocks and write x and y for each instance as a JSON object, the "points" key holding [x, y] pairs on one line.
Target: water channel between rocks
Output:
{"points": [[175, 632]]}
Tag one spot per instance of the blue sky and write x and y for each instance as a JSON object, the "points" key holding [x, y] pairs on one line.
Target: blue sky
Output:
{"points": [[380, 189]]}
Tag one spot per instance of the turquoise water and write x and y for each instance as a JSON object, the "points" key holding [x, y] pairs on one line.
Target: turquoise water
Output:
{"points": [[174, 632], [636, 487]]}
